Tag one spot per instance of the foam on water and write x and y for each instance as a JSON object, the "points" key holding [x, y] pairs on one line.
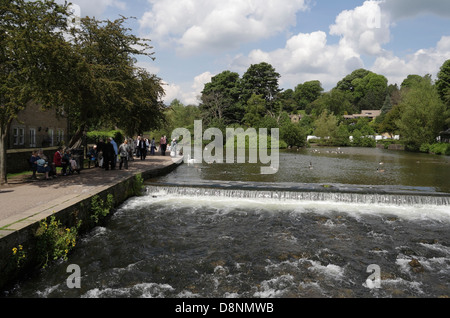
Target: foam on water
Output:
{"points": [[226, 200]]}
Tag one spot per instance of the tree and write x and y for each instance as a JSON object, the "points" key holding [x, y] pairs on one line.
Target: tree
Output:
{"points": [[422, 117], [255, 111], [443, 88], [32, 48], [105, 79], [334, 101], [367, 89], [307, 92], [410, 81], [326, 127], [220, 97], [260, 79]]}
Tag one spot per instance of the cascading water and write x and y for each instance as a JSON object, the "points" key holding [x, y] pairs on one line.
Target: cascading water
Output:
{"points": [[283, 195], [202, 233]]}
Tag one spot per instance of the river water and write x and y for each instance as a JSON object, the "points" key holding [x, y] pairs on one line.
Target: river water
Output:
{"points": [[225, 230]]}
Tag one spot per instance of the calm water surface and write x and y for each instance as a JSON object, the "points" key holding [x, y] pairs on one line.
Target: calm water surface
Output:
{"points": [[169, 244]]}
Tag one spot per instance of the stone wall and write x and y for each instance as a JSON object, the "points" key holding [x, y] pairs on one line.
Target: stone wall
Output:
{"points": [[70, 216]]}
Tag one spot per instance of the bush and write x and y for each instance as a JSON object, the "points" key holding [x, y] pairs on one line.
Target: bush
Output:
{"points": [[439, 149], [94, 136]]}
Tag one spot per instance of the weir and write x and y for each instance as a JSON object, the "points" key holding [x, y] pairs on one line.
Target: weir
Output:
{"points": [[303, 193]]}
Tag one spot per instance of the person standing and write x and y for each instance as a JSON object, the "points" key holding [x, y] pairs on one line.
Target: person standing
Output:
{"points": [[124, 151], [142, 148], [116, 152], [163, 145], [152, 146], [108, 156]]}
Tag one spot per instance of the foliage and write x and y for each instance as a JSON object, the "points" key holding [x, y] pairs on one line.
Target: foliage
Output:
{"points": [[436, 148], [422, 118], [138, 185], [96, 135], [32, 48], [100, 208], [54, 241], [18, 256]]}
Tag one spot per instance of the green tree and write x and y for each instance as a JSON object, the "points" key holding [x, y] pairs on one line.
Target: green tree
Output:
{"points": [[422, 115], [220, 97], [334, 101], [260, 79], [106, 81], [326, 127], [367, 89], [443, 88], [307, 93], [410, 81], [256, 110], [31, 54]]}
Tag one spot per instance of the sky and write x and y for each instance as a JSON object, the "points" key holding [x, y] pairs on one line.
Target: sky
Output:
{"points": [[304, 40]]}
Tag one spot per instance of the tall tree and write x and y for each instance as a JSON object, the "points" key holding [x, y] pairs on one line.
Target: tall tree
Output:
{"points": [[220, 97], [443, 88], [261, 79], [105, 73], [32, 48], [422, 118], [307, 92]]}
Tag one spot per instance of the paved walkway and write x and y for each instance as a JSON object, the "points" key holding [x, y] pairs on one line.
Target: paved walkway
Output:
{"points": [[28, 200]]}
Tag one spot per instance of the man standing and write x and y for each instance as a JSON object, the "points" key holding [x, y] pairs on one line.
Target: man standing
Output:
{"points": [[116, 152], [124, 151], [163, 145], [142, 148]]}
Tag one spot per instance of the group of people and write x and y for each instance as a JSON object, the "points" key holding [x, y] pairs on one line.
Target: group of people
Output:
{"points": [[63, 158], [105, 154]]}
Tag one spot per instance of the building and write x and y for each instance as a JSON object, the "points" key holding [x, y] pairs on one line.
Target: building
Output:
{"points": [[36, 128], [295, 118], [444, 136], [371, 114]]}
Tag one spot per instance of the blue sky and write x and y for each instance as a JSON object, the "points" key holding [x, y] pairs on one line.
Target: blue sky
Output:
{"points": [[302, 39]]}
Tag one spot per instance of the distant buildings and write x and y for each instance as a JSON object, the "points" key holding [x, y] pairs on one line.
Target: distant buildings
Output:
{"points": [[371, 114], [295, 118]]}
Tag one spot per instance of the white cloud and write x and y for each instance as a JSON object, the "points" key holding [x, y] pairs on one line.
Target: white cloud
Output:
{"points": [[422, 62], [305, 57], [187, 93], [365, 28], [196, 26], [98, 7]]}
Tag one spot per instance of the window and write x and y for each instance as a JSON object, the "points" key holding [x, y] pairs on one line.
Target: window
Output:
{"points": [[18, 136], [59, 136], [32, 137], [51, 137]]}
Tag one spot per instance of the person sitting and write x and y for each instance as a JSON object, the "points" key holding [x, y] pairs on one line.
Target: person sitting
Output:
{"points": [[65, 161], [33, 165], [92, 156], [73, 164], [42, 166], [58, 161]]}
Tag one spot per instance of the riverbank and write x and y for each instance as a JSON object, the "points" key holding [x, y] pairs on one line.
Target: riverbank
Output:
{"points": [[25, 203]]}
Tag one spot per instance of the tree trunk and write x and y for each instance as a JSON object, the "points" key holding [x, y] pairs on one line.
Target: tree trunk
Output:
{"points": [[3, 174], [77, 137]]}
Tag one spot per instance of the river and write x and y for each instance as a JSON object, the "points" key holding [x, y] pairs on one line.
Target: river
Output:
{"points": [[225, 230]]}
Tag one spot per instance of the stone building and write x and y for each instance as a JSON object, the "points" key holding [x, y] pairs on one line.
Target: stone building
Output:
{"points": [[36, 128]]}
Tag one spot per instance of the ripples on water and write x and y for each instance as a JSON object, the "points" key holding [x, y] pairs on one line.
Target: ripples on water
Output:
{"points": [[167, 246], [173, 246]]}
